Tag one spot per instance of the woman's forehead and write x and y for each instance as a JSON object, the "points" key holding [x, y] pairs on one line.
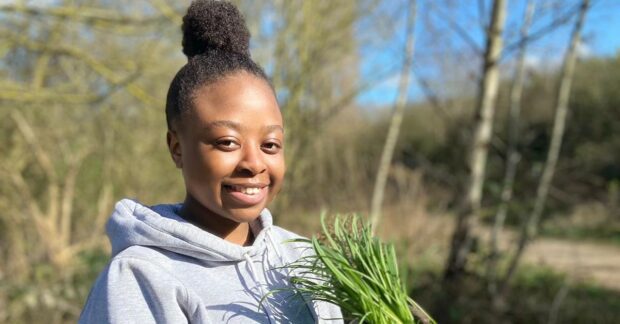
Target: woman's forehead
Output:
{"points": [[239, 85], [235, 125], [240, 97]]}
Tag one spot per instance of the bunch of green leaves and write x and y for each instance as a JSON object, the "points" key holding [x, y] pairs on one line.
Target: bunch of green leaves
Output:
{"points": [[356, 271]]}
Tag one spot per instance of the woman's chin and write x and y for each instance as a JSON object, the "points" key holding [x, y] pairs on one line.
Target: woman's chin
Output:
{"points": [[244, 215]]}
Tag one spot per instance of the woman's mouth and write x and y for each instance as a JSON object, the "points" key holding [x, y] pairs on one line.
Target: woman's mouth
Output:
{"points": [[246, 195]]}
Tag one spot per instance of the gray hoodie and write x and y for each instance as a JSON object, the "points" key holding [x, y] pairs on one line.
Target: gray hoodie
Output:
{"points": [[166, 270]]}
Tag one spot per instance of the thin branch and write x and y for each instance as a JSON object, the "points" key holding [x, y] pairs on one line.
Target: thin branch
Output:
{"points": [[482, 14], [93, 63], [27, 96], [458, 29], [167, 11], [24, 191], [558, 300], [344, 100], [68, 195], [28, 133], [83, 14], [430, 94], [536, 35]]}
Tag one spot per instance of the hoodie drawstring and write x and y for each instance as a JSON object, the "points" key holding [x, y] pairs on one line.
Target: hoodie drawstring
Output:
{"points": [[252, 271]]}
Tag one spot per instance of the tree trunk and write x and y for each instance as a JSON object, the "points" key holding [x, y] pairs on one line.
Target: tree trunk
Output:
{"points": [[513, 156], [530, 226], [488, 89], [396, 121]]}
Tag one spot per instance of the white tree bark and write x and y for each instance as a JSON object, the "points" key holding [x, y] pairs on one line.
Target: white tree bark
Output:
{"points": [[487, 97], [530, 227], [396, 121], [513, 156]]}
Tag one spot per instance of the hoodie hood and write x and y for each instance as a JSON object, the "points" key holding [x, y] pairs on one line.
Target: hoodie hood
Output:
{"points": [[165, 269], [160, 226]]}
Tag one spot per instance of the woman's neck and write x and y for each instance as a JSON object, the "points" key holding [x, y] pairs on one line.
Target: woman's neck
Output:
{"points": [[227, 229]]}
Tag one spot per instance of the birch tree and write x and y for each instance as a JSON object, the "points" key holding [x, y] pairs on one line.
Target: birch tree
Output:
{"points": [[530, 225], [396, 120], [513, 156], [488, 89]]}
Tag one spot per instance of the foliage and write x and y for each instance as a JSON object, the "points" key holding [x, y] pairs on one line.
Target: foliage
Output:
{"points": [[591, 222], [535, 295], [356, 271], [588, 164]]}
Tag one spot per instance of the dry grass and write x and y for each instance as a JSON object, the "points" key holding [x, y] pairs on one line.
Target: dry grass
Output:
{"points": [[420, 235]]}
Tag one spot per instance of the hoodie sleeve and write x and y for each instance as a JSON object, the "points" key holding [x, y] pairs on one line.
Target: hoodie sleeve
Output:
{"points": [[132, 290]]}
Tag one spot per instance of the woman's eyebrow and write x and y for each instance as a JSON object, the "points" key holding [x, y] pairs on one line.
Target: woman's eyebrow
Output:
{"points": [[272, 128], [224, 123]]}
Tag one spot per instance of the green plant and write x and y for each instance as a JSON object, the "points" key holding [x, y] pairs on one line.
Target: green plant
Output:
{"points": [[356, 271]]}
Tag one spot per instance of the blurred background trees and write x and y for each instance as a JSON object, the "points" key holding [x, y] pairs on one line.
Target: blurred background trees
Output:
{"points": [[82, 93]]}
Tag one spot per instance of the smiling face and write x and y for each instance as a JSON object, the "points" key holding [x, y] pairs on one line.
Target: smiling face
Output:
{"points": [[230, 148]]}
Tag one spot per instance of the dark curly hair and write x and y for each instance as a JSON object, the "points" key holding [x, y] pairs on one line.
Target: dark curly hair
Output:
{"points": [[216, 42]]}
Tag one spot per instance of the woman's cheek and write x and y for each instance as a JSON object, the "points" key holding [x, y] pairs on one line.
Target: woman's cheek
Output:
{"points": [[277, 170]]}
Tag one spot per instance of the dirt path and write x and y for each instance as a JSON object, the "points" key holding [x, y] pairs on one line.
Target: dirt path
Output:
{"points": [[580, 260]]}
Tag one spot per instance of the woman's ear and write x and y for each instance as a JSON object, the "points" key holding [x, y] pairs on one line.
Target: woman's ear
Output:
{"points": [[174, 146]]}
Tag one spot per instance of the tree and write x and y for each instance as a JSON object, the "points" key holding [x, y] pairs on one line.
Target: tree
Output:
{"points": [[396, 120], [488, 89], [513, 156], [530, 225], [78, 98]]}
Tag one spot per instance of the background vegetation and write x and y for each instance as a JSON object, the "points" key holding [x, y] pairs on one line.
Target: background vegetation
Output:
{"points": [[82, 93]]}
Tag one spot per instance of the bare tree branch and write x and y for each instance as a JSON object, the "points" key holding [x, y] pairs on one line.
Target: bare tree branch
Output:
{"points": [[28, 133], [457, 28], [83, 14], [93, 63], [167, 11], [551, 26]]}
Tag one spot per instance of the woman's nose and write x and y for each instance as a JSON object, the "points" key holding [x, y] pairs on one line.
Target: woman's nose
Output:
{"points": [[252, 161]]}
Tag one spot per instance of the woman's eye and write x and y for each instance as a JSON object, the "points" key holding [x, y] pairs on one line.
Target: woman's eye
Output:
{"points": [[227, 144], [271, 147]]}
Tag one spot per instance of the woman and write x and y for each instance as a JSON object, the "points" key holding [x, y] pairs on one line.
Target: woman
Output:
{"points": [[217, 256]]}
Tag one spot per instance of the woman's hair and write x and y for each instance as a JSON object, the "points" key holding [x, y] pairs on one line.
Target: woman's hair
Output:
{"points": [[216, 42]]}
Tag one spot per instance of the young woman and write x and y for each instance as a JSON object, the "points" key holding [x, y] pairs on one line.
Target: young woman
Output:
{"points": [[214, 257]]}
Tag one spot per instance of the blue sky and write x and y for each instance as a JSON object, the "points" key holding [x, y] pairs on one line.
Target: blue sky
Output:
{"points": [[601, 38]]}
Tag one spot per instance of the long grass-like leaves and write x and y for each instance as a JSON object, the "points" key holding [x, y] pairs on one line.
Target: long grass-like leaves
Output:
{"points": [[356, 271]]}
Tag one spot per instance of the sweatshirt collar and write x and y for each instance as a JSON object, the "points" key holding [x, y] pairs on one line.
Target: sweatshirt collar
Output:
{"points": [[161, 226]]}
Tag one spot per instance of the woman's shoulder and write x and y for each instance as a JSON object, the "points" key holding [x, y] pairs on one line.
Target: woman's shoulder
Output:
{"points": [[145, 254], [147, 263]]}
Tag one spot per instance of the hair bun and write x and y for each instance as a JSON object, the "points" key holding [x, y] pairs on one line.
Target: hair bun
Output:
{"points": [[211, 24]]}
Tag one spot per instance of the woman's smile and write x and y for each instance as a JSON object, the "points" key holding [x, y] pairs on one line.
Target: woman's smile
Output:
{"points": [[247, 195]]}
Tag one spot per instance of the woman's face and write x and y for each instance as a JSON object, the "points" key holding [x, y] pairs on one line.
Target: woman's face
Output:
{"points": [[230, 147]]}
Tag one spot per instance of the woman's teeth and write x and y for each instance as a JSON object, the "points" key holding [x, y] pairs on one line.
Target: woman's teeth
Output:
{"points": [[246, 190]]}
